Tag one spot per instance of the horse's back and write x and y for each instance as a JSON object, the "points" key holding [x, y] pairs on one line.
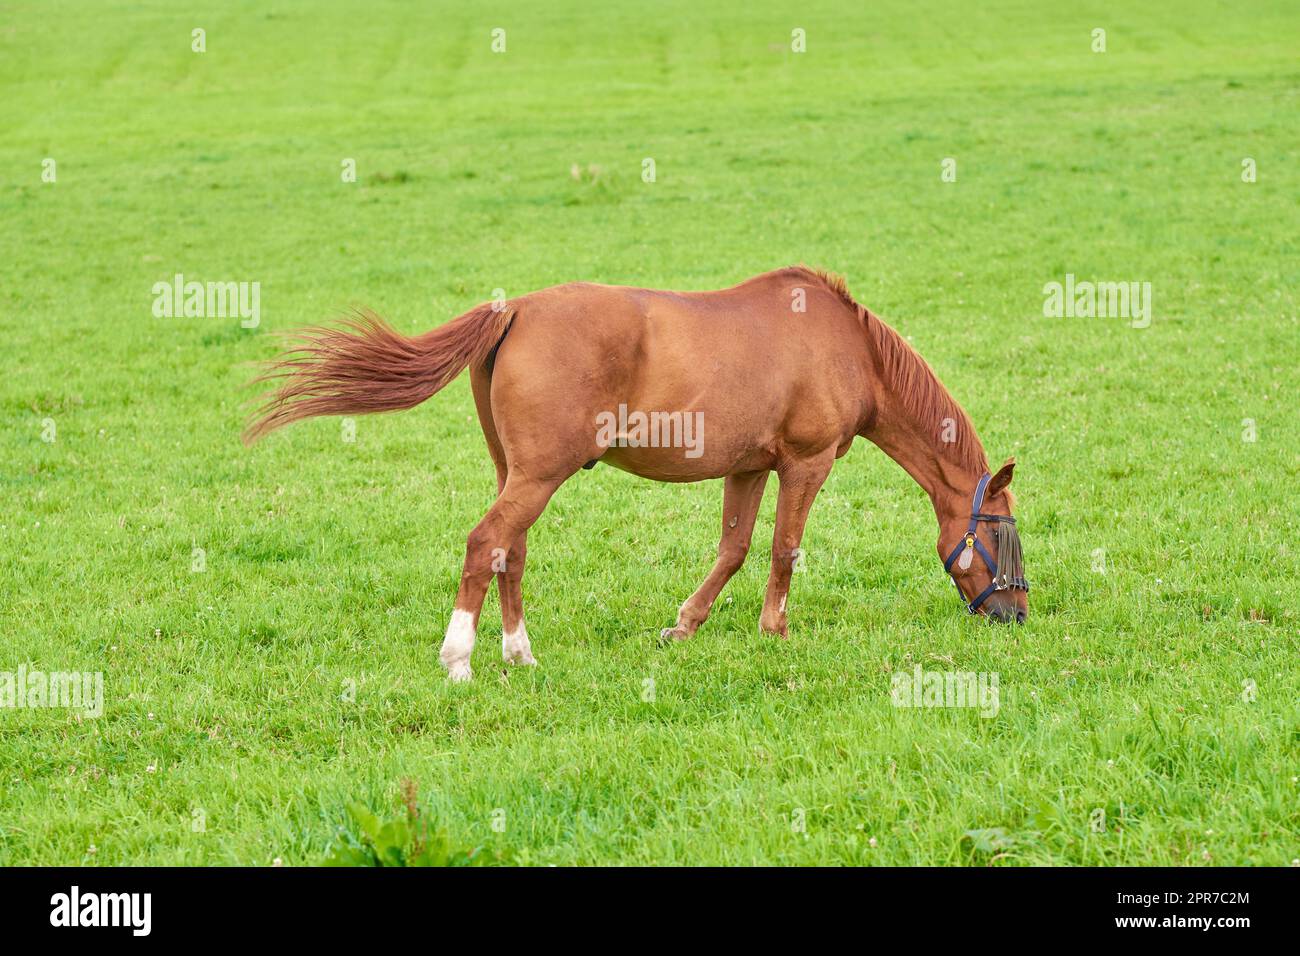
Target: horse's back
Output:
{"points": [[769, 363]]}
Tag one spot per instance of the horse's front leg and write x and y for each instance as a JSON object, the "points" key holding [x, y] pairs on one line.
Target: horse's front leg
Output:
{"points": [[800, 481], [740, 501]]}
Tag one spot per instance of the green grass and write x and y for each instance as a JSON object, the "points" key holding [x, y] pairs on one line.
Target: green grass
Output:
{"points": [[330, 562]]}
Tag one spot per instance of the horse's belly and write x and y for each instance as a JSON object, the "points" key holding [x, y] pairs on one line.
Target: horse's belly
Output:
{"points": [[694, 460]]}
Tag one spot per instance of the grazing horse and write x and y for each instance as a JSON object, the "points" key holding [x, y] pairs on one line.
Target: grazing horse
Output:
{"points": [[779, 373]]}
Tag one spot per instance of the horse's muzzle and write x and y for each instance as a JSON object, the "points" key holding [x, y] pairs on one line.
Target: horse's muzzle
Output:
{"points": [[1005, 611]]}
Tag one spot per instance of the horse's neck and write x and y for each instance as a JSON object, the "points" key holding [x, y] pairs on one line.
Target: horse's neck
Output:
{"points": [[916, 422], [920, 450]]}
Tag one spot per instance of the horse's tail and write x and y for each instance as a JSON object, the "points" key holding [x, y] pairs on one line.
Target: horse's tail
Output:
{"points": [[366, 366]]}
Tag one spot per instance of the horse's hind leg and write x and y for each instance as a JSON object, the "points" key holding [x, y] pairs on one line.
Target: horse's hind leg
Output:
{"points": [[489, 544], [515, 648], [740, 501], [800, 482], [509, 570]]}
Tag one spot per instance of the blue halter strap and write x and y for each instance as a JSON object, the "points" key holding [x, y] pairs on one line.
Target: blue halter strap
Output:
{"points": [[971, 540]]}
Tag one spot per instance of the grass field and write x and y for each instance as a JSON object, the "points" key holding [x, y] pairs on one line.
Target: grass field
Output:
{"points": [[247, 703]]}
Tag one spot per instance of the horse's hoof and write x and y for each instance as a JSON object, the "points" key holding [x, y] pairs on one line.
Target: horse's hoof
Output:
{"points": [[513, 652], [459, 672], [674, 634], [515, 648]]}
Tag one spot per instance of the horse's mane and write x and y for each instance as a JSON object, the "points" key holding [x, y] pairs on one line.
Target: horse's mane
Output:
{"points": [[910, 378]]}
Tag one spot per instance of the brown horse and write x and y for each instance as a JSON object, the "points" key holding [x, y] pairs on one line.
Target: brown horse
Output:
{"points": [[779, 373]]}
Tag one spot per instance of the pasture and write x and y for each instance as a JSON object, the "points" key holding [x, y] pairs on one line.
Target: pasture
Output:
{"points": [[267, 620]]}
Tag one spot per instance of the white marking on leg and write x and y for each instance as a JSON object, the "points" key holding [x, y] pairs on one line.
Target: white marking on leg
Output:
{"points": [[515, 648], [458, 645]]}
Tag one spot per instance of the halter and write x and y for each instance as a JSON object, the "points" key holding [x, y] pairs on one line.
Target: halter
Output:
{"points": [[971, 540]]}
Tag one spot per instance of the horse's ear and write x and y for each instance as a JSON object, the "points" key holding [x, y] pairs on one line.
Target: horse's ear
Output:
{"points": [[1002, 479]]}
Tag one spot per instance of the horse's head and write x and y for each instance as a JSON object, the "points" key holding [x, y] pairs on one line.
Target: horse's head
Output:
{"points": [[980, 548]]}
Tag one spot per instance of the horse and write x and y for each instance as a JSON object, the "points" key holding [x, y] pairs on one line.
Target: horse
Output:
{"points": [[780, 374]]}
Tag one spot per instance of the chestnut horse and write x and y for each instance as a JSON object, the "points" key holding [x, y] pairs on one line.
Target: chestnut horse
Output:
{"points": [[779, 373]]}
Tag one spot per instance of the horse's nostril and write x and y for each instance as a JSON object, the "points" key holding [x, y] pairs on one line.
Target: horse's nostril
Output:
{"points": [[1021, 614]]}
